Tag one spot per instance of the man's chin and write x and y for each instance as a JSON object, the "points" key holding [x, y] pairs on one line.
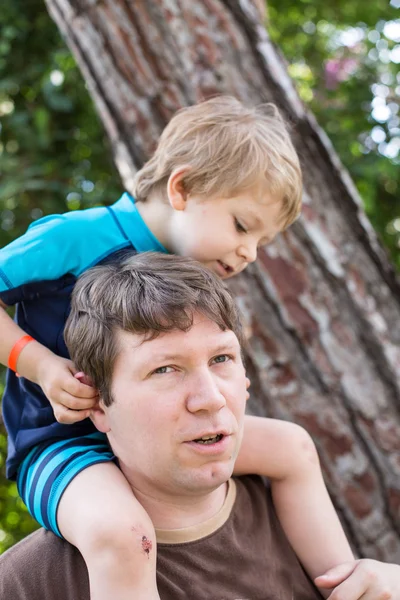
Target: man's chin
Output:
{"points": [[205, 472], [209, 477]]}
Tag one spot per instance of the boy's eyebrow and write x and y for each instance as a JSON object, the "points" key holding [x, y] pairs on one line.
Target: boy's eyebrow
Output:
{"points": [[260, 224], [256, 219]]}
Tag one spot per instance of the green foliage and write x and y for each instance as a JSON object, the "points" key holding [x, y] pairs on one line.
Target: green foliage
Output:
{"points": [[344, 58], [54, 156], [53, 152]]}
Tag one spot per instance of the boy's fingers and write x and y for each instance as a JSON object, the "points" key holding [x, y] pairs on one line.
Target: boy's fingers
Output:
{"points": [[350, 589], [365, 579], [79, 390], [370, 580], [85, 379], [335, 576], [67, 417], [73, 403]]}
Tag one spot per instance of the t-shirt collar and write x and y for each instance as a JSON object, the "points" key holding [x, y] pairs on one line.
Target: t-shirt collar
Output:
{"points": [[133, 226]]}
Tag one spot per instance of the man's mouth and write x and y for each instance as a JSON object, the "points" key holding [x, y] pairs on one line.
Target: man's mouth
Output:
{"points": [[208, 439], [211, 444]]}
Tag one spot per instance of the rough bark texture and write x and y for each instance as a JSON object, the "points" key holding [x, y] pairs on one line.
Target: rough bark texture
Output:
{"points": [[322, 303]]}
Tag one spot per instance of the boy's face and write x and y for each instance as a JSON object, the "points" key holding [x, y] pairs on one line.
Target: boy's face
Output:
{"points": [[224, 234]]}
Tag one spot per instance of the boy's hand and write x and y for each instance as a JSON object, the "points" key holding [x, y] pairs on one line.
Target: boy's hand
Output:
{"points": [[70, 398], [366, 578]]}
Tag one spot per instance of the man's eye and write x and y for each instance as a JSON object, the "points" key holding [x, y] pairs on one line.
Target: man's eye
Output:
{"points": [[239, 226], [222, 358], [162, 370]]}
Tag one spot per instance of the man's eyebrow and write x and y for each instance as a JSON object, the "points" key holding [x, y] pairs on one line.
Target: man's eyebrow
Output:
{"points": [[171, 356], [165, 356], [226, 347]]}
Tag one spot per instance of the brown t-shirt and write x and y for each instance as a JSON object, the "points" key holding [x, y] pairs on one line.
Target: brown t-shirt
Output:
{"points": [[240, 554]]}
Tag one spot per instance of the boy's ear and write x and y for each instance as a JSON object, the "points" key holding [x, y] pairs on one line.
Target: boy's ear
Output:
{"points": [[99, 417], [248, 384], [175, 188]]}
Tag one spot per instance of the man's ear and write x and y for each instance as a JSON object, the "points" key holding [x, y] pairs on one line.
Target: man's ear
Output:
{"points": [[99, 417], [175, 188]]}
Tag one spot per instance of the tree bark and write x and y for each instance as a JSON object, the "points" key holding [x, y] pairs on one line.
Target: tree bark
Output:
{"points": [[321, 304]]}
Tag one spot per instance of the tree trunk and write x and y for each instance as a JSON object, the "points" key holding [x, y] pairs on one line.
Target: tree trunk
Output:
{"points": [[321, 305]]}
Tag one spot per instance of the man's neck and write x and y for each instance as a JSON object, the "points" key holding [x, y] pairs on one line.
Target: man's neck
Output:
{"points": [[176, 512]]}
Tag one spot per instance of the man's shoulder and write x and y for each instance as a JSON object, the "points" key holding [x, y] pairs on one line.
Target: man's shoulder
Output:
{"points": [[43, 567], [253, 499], [254, 484], [33, 548]]}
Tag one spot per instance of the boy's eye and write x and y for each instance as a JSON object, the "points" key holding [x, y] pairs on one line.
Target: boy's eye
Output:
{"points": [[240, 227]]}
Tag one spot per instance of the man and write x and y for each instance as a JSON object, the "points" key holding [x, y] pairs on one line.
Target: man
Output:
{"points": [[169, 370]]}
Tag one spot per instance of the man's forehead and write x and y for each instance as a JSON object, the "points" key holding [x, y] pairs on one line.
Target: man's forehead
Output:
{"points": [[203, 332]]}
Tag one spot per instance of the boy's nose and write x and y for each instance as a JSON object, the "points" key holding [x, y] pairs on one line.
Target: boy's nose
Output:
{"points": [[248, 252]]}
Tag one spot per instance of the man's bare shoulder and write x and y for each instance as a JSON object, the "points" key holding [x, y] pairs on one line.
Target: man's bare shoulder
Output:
{"points": [[43, 567]]}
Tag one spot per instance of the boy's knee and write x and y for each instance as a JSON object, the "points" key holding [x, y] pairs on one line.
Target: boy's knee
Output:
{"points": [[121, 538], [303, 446]]}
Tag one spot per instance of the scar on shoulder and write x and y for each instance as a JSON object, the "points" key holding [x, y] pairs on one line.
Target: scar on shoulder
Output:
{"points": [[147, 545]]}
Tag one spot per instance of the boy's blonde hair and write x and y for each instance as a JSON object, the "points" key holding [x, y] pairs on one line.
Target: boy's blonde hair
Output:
{"points": [[229, 148]]}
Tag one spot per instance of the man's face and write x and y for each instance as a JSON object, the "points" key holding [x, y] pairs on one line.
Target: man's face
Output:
{"points": [[176, 422]]}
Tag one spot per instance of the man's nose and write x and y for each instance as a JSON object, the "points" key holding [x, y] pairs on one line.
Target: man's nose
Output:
{"points": [[248, 251], [204, 394]]}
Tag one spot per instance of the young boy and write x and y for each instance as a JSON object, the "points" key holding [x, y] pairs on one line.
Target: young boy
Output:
{"points": [[224, 180]]}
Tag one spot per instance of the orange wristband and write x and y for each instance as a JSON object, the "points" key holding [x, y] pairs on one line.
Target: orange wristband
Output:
{"points": [[16, 351]]}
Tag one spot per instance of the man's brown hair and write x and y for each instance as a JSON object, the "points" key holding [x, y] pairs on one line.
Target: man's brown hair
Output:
{"points": [[148, 294]]}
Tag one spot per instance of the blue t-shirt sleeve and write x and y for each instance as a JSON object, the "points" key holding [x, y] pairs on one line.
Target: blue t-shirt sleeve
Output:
{"points": [[44, 252], [50, 249]]}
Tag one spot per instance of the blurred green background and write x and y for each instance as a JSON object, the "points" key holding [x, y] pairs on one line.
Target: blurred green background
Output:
{"points": [[343, 55]]}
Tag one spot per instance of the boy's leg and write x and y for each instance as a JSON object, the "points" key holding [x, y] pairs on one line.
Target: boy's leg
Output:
{"points": [[74, 488], [99, 514]]}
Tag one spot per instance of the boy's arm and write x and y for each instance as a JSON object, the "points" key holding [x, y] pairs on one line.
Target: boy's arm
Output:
{"points": [[10, 334], [286, 454], [54, 374], [29, 259]]}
